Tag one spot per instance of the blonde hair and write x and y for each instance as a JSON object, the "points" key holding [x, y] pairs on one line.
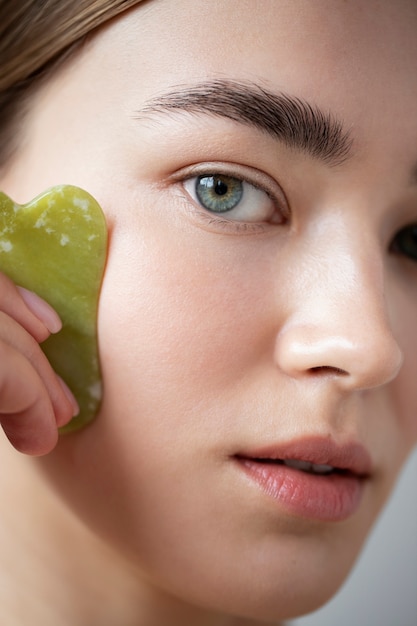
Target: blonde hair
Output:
{"points": [[36, 36]]}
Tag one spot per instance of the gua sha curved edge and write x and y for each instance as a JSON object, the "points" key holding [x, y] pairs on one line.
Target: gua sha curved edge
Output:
{"points": [[56, 246]]}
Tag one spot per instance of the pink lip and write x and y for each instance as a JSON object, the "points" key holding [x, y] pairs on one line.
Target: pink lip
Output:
{"points": [[325, 497]]}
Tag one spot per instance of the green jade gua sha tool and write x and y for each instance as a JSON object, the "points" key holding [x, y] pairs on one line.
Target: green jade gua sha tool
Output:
{"points": [[56, 246]]}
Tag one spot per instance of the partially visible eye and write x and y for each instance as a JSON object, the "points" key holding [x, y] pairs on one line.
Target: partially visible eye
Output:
{"points": [[232, 198], [405, 242]]}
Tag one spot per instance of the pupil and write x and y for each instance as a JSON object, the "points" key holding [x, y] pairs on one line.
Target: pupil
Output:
{"points": [[220, 188]]}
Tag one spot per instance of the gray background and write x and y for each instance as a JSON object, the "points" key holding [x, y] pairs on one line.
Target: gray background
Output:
{"points": [[382, 590]]}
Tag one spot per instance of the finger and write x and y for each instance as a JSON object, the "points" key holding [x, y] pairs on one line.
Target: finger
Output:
{"points": [[28, 309], [15, 339], [26, 412], [41, 309]]}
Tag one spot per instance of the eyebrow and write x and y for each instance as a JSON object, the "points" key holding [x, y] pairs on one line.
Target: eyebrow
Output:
{"points": [[291, 120]]}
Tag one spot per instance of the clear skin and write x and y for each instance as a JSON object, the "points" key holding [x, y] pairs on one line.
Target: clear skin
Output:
{"points": [[215, 338]]}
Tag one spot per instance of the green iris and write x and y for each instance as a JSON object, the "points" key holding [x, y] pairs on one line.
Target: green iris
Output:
{"points": [[218, 193], [406, 242]]}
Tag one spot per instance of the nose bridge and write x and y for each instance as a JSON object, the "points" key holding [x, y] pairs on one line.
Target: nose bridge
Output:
{"points": [[339, 322]]}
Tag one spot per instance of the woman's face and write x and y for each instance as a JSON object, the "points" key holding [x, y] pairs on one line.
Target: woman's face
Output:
{"points": [[257, 163]]}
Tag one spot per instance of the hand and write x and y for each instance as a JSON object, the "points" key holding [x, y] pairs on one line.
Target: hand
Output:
{"points": [[34, 401]]}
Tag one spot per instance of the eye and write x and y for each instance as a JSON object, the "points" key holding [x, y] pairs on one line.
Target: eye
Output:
{"points": [[405, 242], [232, 198]]}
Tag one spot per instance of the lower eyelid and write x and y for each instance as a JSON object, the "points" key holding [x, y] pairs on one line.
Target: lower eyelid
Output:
{"points": [[231, 226]]}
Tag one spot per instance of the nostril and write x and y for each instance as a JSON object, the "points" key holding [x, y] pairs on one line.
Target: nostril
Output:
{"points": [[327, 370]]}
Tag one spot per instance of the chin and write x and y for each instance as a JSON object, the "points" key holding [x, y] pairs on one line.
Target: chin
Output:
{"points": [[268, 589], [270, 606]]}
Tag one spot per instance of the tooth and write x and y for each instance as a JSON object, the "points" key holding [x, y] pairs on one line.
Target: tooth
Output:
{"points": [[305, 466], [321, 469]]}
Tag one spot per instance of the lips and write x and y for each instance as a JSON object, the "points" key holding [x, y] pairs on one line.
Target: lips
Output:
{"points": [[314, 478]]}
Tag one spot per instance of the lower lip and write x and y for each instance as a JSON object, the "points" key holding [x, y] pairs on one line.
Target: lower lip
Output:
{"points": [[329, 498]]}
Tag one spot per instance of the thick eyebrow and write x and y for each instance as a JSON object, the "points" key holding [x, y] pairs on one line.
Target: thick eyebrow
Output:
{"points": [[292, 120]]}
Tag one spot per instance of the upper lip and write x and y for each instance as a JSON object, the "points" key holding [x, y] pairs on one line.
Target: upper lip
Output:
{"points": [[350, 456]]}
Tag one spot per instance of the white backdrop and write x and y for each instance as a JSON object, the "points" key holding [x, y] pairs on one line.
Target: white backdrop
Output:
{"points": [[382, 591]]}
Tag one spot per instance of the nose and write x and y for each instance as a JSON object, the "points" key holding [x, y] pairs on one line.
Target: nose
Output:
{"points": [[337, 324]]}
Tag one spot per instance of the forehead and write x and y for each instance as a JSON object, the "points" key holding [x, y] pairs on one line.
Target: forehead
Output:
{"points": [[347, 56], [323, 40]]}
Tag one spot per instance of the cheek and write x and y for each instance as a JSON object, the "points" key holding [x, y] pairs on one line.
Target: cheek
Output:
{"points": [[406, 401], [405, 387], [179, 319]]}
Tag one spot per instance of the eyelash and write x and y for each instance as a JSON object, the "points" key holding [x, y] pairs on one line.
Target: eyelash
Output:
{"points": [[256, 179]]}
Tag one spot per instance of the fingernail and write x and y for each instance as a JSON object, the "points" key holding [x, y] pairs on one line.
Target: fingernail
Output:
{"points": [[41, 309], [71, 398]]}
